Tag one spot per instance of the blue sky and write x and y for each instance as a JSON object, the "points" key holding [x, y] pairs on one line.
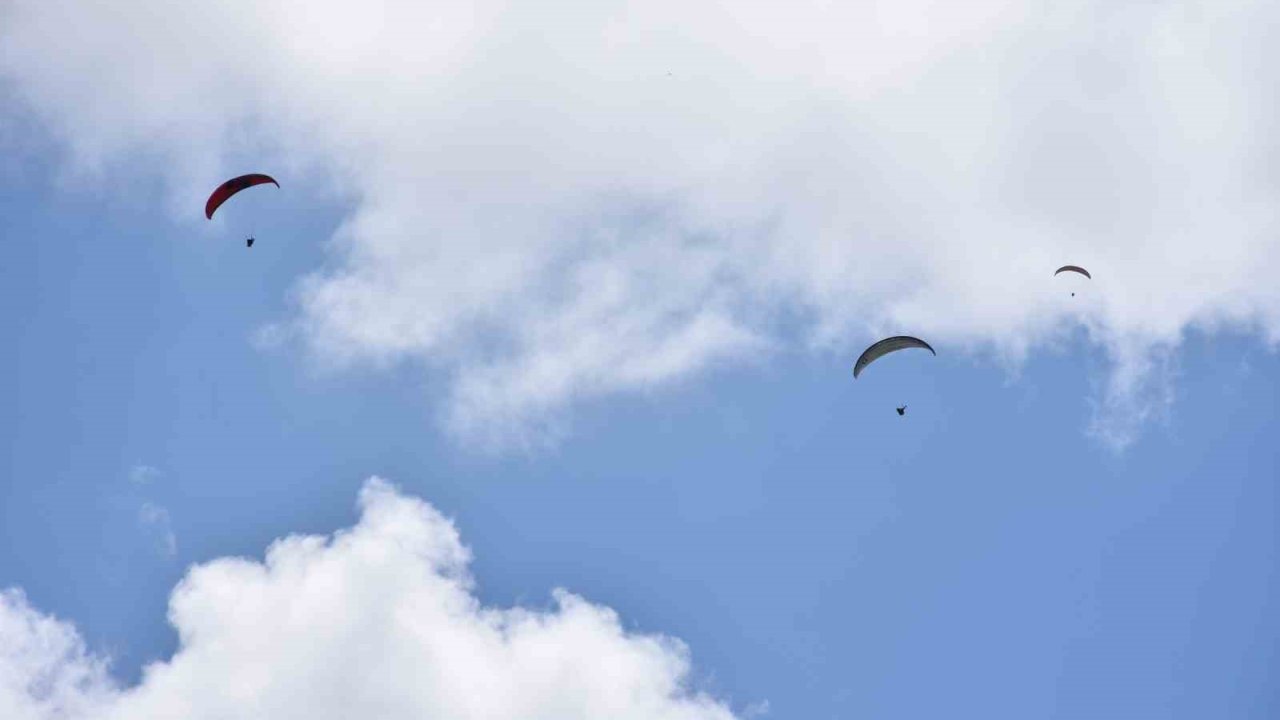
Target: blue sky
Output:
{"points": [[1074, 520]]}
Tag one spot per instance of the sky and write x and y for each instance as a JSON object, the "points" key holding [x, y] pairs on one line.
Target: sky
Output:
{"points": [[533, 397]]}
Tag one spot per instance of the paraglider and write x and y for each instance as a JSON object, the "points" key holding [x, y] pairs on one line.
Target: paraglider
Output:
{"points": [[231, 187], [1074, 269], [886, 346]]}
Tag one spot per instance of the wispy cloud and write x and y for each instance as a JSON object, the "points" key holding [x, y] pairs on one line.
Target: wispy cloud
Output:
{"points": [[156, 520], [379, 620], [143, 475], [540, 213]]}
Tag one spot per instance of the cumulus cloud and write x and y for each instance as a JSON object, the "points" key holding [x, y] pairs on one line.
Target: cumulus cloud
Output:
{"points": [[377, 621], [45, 670], [564, 200]]}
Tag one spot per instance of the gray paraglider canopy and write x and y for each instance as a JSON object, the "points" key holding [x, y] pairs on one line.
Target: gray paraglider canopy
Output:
{"points": [[1074, 269], [886, 346]]}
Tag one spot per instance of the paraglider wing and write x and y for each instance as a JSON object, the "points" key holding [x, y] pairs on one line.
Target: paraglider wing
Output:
{"points": [[233, 186], [1075, 269], [886, 346]]}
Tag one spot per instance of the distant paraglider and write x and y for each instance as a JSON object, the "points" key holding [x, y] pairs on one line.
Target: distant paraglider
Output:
{"points": [[1074, 269], [231, 187]]}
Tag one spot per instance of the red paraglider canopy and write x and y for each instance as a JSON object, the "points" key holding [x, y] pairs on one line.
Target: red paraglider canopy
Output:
{"points": [[233, 186]]}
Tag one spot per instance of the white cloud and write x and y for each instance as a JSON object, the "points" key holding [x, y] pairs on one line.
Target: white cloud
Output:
{"points": [[542, 213], [378, 621], [45, 671], [143, 474], [156, 519]]}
